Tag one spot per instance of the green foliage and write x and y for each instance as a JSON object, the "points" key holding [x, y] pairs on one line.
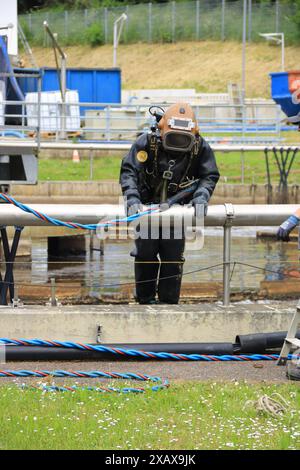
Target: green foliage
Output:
{"points": [[26, 30], [26, 6], [167, 24], [95, 35], [296, 16]]}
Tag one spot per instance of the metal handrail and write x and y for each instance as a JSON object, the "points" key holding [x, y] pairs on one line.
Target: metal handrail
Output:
{"points": [[125, 146], [247, 124]]}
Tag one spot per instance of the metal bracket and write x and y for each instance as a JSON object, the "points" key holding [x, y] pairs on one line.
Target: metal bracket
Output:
{"points": [[99, 334], [229, 210], [290, 342]]}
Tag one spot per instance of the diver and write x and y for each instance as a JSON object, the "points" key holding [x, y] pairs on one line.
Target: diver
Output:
{"points": [[159, 165]]}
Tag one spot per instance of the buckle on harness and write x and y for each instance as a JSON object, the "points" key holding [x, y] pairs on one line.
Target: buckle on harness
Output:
{"points": [[172, 188], [167, 175]]}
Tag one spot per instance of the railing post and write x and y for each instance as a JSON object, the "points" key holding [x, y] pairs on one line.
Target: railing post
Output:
{"points": [[39, 117], [242, 166], [91, 155], [108, 123], [227, 253]]}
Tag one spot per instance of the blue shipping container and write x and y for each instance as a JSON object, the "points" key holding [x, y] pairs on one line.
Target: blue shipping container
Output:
{"points": [[282, 92], [93, 85]]}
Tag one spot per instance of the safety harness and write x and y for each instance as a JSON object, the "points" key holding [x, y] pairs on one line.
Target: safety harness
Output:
{"points": [[151, 168]]}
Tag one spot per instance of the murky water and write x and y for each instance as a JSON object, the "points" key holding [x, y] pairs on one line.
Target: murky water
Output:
{"points": [[105, 274]]}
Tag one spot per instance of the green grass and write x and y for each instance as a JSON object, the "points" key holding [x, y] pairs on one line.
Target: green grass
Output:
{"points": [[65, 170], [185, 416], [109, 167]]}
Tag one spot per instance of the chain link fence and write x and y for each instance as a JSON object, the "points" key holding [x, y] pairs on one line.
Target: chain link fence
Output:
{"points": [[164, 23]]}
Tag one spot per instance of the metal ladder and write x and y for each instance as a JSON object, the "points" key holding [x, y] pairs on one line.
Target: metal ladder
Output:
{"points": [[290, 342], [26, 46]]}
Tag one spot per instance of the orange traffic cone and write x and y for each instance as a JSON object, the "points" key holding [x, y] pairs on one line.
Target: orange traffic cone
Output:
{"points": [[76, 157]]}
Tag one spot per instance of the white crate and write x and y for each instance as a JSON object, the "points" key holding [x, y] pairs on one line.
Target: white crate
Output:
{"points": [[51, 111], [72, 111]]}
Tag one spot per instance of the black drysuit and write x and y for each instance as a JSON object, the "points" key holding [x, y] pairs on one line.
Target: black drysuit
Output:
{"points": [[144, 179]]}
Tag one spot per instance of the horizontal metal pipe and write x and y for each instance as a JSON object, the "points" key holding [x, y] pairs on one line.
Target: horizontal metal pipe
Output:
{"points": [[244, 215], [139, 106], [17, 146]]}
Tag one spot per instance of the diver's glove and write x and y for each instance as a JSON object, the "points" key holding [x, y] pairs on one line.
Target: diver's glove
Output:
{"points": [[133, 206], [286, 227], [200, 202]]}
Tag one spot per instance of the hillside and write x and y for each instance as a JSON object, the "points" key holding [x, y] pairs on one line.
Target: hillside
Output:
{"points": [[207, 66]]}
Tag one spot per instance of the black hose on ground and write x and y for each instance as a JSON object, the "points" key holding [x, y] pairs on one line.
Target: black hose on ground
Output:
{"points": [[261, 342], [38, 353]]}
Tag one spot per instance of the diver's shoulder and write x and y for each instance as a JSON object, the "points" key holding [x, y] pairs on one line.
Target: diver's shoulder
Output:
{"points": [[142, 141]]}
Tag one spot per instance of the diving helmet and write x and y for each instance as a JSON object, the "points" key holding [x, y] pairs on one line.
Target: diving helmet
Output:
{"points": [[178, 128]]}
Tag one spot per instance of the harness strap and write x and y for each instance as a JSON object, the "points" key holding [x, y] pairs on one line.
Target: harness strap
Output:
{"points": [[195, 151], [153, 153]]}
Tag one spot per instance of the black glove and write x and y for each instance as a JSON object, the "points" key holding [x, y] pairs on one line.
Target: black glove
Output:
{"points": [[133, 206], [200, 202], [286, 227]]}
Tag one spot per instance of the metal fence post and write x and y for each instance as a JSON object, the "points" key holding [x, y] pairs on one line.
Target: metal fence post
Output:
{"points": [[223, 21], [149, 22], [48, 21], [66, 24], [244, 50], [197, 19], [126, 23], [85, 18], [249, 20], [277, 15], [106, 25], [173, 21], [227, 253]]}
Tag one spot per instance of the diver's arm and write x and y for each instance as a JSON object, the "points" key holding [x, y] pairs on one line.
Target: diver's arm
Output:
{"points": [[287, 226]]}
